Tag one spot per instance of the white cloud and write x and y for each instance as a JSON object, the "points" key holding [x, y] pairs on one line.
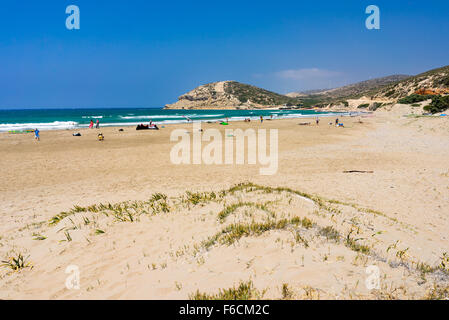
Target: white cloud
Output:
{"points": [[296, 80], [307, 74]]}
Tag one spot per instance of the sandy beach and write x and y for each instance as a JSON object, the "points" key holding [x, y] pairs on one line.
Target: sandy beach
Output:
{"points": [[311, 229]]}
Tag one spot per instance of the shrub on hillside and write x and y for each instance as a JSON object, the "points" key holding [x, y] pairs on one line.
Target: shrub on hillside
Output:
{"points": [[375, 106], [438, 104], [444, 81], [414, 98]]}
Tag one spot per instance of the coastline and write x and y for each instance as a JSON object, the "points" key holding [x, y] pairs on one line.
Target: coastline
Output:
{"points": [[72, 123]]}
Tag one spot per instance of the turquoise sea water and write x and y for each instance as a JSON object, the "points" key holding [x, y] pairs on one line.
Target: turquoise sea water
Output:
{"points": [[48, 119]]}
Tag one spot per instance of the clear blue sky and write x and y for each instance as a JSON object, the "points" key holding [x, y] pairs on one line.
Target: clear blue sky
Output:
{"points": [[147, 53]]}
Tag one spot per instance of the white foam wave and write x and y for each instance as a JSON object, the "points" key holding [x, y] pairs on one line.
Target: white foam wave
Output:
{"points": [[168, 116], [150, 117], [41, 126], [205, 116]]}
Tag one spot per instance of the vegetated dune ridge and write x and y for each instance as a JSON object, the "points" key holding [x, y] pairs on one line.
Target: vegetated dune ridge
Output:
{"points": [[139, 227]]}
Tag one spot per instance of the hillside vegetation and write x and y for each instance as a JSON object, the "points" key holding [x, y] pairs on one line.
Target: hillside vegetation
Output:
{"points": [[231, 94], [246, 93], [435, 79], [350, 91], [370, 94]]}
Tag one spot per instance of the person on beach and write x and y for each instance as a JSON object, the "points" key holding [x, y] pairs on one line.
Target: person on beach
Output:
{"points": [[336, 121], [317, 120], [261, 119], [91, 125], [36, 134], [97, 125]]}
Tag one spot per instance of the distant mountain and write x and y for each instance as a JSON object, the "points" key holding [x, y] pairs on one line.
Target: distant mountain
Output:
{"points": [[350, 90], [380, 91], [231, 94]]}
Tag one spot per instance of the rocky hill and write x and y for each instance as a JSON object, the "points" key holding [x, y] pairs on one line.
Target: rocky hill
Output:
{"points": [[352, 89], [377, 92], [436, 80], [370, 94], [231, 94]]}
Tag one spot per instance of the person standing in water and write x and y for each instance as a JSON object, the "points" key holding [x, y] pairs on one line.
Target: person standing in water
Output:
{"points": [[36, 134], [97, 124]]}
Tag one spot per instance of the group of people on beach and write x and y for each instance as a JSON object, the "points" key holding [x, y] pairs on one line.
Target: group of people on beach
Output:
{"points": [[97, 124], [337, 122], [91, 125]]}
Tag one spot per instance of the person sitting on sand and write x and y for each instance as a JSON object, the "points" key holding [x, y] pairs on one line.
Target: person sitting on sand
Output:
{"points": [[36, 134], [100, 137]]}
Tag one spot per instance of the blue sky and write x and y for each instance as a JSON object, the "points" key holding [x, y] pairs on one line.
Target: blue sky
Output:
{"points": [[147, 53]]}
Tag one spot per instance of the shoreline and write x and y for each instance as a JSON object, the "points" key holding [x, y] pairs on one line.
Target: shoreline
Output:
{"points": [[325, 114]]}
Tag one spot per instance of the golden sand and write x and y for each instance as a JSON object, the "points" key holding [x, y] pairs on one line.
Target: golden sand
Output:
{"points": [[399, 212]]}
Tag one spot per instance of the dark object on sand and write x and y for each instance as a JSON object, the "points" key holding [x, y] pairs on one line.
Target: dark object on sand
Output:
{"points": [[121, 130], [357, 171], [304, 124], [76, 134], [147, 127]]}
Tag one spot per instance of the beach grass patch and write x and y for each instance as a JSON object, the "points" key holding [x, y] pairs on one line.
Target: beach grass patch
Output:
{"points": [[244, 291], [17, 262]]}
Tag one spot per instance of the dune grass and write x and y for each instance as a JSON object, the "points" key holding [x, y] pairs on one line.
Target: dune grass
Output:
{"points": [[244, 291], [16, 262]]}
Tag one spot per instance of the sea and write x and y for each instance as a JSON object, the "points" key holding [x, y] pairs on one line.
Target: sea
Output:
{"points": [[59, 119]]}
